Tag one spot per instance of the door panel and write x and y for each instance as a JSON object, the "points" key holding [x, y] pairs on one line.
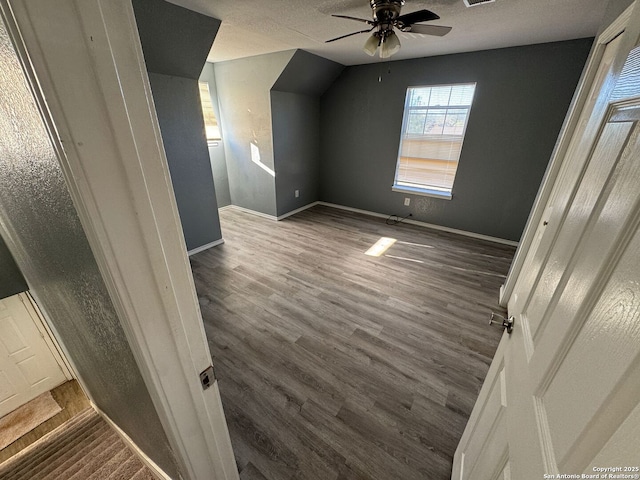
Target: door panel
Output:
{"points": [[622, 445], [488, 438], [613, 139], [570, 371], [506, 473], [27, 366], [606, 353], [569, 174], [478, 463], [587, 347], [601, 239]]}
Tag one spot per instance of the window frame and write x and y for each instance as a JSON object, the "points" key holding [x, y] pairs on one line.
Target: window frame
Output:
{"points": [[420, 189]]}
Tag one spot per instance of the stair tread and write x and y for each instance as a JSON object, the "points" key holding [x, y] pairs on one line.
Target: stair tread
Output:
{"points": [[53, 440], [58, 450], [127, 469], [83, 448]]}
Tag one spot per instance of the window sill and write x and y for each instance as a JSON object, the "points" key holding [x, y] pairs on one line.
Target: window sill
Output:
{"points": [[422, 191]]}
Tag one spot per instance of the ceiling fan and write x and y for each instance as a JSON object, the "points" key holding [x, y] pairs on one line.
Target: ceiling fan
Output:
{"points": [[386, 17]]}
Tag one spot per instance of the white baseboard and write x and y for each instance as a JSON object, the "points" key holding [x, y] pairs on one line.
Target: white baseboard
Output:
{"points": [[501, 300], [150, 464], [205, 247], [297, 210], [479, 236], [265, 215], [426, 225], [252, 212]]}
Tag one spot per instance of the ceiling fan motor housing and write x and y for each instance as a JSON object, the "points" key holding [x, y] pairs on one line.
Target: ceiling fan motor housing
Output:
{"points": [[386, 11]]}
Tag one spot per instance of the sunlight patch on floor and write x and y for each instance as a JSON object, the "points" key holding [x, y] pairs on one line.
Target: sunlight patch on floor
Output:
{"points": [[381, 246]]}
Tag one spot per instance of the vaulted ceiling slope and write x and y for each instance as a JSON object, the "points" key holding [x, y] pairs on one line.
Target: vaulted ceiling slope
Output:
{"points": [[254, 27]]}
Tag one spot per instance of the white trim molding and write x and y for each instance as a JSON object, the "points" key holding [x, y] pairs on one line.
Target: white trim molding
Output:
{"points": [[423, 192], [297, 210], [205, 247], [478, 236], [47, 334], [266, 215], [441, 228], [86, 68], [252, 212]]}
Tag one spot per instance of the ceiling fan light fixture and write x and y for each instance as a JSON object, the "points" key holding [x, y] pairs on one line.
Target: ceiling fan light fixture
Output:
{"points": [[371, 45], [390, 45], [387, 17]]}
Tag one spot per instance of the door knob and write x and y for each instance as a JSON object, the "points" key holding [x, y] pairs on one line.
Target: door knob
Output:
{"points": [[507, 323]]}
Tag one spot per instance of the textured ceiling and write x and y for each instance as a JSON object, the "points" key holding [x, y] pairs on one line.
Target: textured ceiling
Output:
{"points": [[254, 27]]}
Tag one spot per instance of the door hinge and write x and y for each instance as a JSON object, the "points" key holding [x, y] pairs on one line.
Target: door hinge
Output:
{"points": [[207, 377]]}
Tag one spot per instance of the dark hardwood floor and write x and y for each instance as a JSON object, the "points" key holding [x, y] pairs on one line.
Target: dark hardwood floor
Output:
{"points": [[337, 365]]}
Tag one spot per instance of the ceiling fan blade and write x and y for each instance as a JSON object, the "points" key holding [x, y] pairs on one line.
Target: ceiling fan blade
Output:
{"points": [[437, 30], [348, 35], [417, 17], [354, 18]]}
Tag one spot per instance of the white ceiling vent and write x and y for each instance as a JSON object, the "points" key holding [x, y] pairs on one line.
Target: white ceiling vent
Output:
{"points": [[473, 3]]}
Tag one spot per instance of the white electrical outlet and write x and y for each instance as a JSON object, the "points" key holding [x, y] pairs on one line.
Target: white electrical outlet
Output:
{"points": [[297, 193], [407, 201]]}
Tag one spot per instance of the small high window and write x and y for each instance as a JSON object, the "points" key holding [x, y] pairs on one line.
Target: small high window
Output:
{"points": [[210, 121], [433, 128]]}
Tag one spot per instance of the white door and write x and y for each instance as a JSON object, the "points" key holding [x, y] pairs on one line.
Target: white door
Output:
{"points": [[27, 365], [563, 393]]}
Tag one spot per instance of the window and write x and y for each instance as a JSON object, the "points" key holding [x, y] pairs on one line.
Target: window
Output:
{"points": [[435, 120], [210, 121]]}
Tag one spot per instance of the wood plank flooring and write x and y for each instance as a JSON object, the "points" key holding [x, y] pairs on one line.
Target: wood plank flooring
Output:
{"points": [[337, 365]]}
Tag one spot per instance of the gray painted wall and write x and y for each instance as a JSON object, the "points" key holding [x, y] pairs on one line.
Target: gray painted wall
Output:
{"points": [[216, 152], [176, 42], [177, 102], [245, 108], [296, 147], [308, 74], [295, 116], [521, 100], [273, 101], [11, 279], [48, 243]]}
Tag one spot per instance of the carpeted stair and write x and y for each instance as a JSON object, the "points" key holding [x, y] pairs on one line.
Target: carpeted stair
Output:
{"points": [[84, 448]]}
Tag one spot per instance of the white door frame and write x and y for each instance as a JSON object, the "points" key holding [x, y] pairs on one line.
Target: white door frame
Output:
{"points": [[46, 333], [86, 69], [561, 148]]}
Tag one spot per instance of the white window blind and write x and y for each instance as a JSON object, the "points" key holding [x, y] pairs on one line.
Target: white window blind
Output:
{"points": [[211, 127], [433, 128]]}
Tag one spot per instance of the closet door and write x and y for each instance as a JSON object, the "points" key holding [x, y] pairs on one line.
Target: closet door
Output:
{"points": [[27, 365]]}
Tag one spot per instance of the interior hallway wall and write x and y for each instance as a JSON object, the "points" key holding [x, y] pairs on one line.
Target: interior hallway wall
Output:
{"points": [[44, 234]]}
